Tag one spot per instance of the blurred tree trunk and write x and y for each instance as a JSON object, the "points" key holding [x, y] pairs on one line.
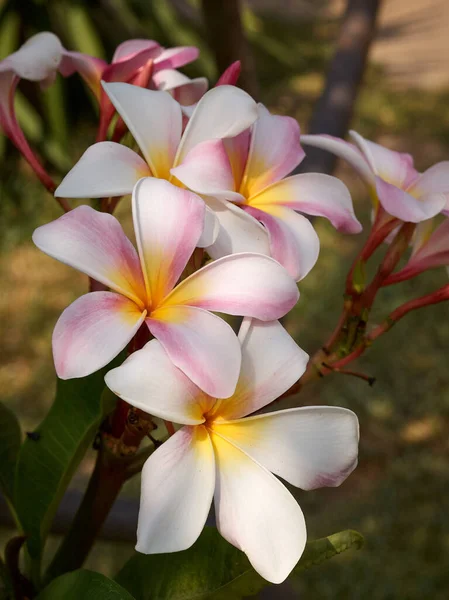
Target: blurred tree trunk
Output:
{"points": [[224, 30], [334, 109]]}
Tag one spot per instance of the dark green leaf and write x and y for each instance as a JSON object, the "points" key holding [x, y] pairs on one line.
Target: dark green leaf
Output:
{"points": [[84, 585], [47, 462], [10, 439], [212, 569]]}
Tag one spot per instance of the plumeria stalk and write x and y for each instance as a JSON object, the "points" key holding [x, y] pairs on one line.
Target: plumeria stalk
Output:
{"points": [[168, 223], [222, 453]]}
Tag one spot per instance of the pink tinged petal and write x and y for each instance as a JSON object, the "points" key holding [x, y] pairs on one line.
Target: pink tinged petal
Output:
{"points": [[95, 244], [106, 169], [184, 90], [201, 344], [314, 194], [150, 381], [239, 231], [348, 152], [92, 331], [222, 112], [230, 75], [126, 67], [431, 254], [246, 284], [88, 67], [173, 58], [271, 363], [153, 118], [256, 513], [294, 242], [433, 181], [177, 487], [37, 60], [274, 152], [237, 149], [309, 447], [404, 206], [130, 48], [393, 167], [206, 170], [160, 212]]}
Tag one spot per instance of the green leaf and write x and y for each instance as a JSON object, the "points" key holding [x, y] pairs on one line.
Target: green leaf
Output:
{"points": [[47, 462], [10, 439], [213, 569], [84, 585]]}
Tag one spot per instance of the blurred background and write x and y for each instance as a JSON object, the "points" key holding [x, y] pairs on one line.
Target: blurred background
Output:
{"points": [[380, 68]]}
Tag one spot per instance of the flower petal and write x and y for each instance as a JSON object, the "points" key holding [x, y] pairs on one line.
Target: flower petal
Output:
{"points": [[222, 112], [92, 331], [230, 75], [404, 206], [130, 48], [206, 170], [201, 344], [293, 241], [393, 167], [433, 181], [161, 212], [271, 363], [246, 284], [310, 447], [184, 90], [434, 252], [90, 68], [37, 59], [153, 118], [173, 58], [314, 194], [211, 229], [274, 152], [348, 152], [95, 244], [239, 231], [150, 381], [178, 483], [237, 149], [106, 169], [256, 513]]}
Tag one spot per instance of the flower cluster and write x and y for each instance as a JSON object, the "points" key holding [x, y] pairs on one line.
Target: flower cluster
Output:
{"points": [[220, 228]]}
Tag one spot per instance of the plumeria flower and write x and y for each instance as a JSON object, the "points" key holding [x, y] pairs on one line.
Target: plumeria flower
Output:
{"points": [[221, 453], [393, 181], [154, 118], [168, 222], [430, 249], [247, 184], [140, 62], [37, 60], [184, 90]]}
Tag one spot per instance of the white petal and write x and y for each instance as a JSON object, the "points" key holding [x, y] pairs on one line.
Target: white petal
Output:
{"points": [[153, 118], [256, 513], [310, 447], [160, 213], [92, 331], [239, 231], [294, 242], [222, 112], [105, 170], [201, 344], [150, 381], [177, 487], [271, 363], [38, 58]]}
